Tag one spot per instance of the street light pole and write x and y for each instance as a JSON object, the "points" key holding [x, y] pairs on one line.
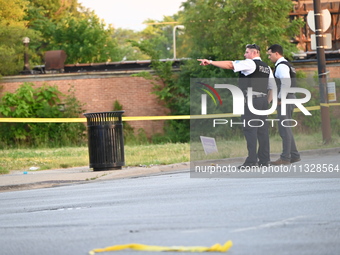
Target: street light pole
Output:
{"points": [[174, 37], [320, 48], [26, 41]]}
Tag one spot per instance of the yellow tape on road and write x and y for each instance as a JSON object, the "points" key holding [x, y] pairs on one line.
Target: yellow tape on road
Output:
{"points": [[142, 247], [173, 117]]}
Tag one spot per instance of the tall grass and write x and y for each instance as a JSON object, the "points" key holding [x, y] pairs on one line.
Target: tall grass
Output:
{"points": [[23, 159], [149, 154], [238, 148]]}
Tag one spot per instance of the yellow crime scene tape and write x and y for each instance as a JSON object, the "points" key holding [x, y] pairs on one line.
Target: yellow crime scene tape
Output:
{"points": [[142, 247], [328, 105], [173, 117]]}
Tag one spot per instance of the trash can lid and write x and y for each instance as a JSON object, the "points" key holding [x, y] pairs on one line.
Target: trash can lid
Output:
{"points": [[104, 118]]}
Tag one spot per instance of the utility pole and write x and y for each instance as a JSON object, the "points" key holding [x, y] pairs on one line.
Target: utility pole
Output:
{"points": [[26, 41], [174, 37], [322, 74]]}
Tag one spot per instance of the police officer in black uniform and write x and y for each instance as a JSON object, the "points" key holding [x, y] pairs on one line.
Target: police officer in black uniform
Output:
{"points": [[285, 77], [256, 74]]}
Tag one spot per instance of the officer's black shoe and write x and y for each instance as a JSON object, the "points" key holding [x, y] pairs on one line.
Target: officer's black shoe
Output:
{"points": [[247, 165]]}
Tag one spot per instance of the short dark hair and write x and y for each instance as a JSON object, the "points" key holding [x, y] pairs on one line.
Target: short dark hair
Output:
{"points": [[276, 48], [253, 46]]}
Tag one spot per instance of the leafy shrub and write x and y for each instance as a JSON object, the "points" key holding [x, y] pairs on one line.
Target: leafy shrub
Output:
{"points": [[42, 102]]}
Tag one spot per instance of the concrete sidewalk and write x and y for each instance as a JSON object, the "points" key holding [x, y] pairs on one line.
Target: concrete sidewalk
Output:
{"points": [[26, 179], [21, 180]]}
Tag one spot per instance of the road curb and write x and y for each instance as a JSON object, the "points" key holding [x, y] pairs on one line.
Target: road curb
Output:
{"points": [[78, 175]]}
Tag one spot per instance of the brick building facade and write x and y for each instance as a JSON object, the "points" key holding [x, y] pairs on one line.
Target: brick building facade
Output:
{"points": [[99, 91]]}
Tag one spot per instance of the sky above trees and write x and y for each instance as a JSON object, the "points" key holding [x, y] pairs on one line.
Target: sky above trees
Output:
{"points": [[130, 14]]}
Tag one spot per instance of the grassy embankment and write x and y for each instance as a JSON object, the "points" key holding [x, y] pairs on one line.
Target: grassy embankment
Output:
{"points": [[55, 158]]}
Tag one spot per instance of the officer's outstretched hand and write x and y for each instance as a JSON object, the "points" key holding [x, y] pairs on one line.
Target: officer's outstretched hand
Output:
{"points": [[204, 62]]}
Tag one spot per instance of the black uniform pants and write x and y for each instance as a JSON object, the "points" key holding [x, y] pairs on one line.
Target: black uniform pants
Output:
{"points": [[255, 129], [289, 150]]}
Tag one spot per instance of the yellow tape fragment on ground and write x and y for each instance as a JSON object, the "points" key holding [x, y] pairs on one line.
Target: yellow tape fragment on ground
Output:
{"points": [[142, 247], [174, 117]]}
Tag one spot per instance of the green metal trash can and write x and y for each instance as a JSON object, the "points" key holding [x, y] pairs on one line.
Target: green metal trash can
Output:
{"points": [[105, 140]]}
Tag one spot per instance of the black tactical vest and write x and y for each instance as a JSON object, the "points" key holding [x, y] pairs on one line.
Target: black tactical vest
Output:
{"points": [[292, 73], [258, 80]]}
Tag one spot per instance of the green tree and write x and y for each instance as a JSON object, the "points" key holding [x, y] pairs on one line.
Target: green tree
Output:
{"points": [[13, 28], [85, 40], [42, 16], [159, 34], [220, 29], [128, 52], [66, 25], [12, 12], [169, 91]]}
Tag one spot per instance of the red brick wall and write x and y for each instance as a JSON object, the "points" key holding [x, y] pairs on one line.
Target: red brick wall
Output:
{"points": [[100, 92], [312, 69]]}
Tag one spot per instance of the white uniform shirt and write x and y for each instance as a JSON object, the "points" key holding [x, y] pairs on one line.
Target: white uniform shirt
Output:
{"points": [[248, 66], [282, 72]]}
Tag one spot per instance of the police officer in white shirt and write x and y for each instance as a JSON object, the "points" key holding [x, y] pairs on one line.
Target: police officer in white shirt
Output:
{"points": [[285, 76], [253, 72]]}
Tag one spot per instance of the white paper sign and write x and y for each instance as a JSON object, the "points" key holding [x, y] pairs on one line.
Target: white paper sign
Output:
{"points": [[331, 91], [209, 145]]}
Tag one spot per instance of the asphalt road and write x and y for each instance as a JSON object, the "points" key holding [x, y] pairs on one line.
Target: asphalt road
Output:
{"points": [[260, 215]]}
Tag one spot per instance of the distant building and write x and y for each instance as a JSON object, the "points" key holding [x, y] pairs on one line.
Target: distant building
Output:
{"points": [[304, 39]]}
